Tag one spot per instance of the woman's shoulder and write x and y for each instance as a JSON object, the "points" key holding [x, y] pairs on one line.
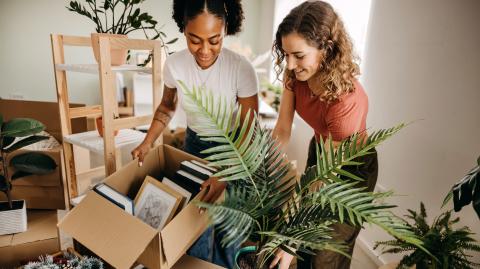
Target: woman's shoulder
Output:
{"points": [[358, 96]]}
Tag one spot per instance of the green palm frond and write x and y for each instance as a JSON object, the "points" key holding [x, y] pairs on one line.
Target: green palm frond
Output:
{"points": [[330, 162], [239, 150], [236, 216], [264, 203], [314, 235]]}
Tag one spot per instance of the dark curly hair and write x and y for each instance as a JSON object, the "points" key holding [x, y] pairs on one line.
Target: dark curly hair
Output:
{"points": [[317, 22], [230, 11]]}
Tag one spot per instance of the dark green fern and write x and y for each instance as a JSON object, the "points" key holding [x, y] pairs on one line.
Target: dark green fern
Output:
{"points": [[450, 246]]}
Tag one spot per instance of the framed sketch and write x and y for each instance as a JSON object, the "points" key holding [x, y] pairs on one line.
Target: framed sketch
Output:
{"points": [[156, 203]]}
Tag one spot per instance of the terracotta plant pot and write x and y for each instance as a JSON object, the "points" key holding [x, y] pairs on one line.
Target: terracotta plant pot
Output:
{"points": [[99, 124], [118, 56], [13, 220]]}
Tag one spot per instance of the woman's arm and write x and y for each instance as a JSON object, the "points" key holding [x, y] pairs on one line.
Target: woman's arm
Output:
{"points": [[248, 103], [283, 127], [161, 118]]}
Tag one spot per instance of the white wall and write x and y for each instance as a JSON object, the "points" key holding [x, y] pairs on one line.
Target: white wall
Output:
{"points": [[422, 64], [25, 52]]}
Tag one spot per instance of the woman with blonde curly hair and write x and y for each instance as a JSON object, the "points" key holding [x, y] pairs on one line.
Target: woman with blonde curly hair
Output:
{"points": [[320, 85]]}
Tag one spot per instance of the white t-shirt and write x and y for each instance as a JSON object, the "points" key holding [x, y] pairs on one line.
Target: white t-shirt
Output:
{"points": [[231, 75]]}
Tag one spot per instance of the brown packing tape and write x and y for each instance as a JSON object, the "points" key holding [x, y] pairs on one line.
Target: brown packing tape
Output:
{"points": [[106, 230]]}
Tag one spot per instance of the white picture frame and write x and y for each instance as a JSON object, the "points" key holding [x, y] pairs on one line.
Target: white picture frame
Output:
{"points": [[156, 203]]}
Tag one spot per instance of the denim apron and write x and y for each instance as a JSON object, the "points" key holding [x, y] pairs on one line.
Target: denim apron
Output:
{"points": [[208, 246]]}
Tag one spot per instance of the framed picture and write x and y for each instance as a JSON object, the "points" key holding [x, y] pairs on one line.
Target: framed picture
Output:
{"points": [[156, 203], [186, 194]]}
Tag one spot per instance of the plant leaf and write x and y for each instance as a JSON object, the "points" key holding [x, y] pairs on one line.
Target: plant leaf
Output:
{"points": [[33, 162], [22, 127], [25, 142], [20, 174], [3, 184]]}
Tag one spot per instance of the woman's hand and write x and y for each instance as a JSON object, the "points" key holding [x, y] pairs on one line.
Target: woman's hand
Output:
{"points": [[214, 189], [140, 152], [284, 258]]}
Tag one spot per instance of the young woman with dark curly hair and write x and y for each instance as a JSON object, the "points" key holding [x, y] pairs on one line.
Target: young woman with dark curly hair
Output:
{"points": [[205, 64], [320, 85]]}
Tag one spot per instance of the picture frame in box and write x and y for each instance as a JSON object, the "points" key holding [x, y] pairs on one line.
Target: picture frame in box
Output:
{"points": [[156, 203]]}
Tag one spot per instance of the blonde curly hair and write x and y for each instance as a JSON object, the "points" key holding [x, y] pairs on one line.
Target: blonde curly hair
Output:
{"points": [[317, 22]]}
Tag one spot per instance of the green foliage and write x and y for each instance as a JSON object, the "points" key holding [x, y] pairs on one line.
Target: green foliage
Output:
{"points": [[120, 17], [466, 191], [24, 164], [448, 245], [272, 94], [265, 204]]}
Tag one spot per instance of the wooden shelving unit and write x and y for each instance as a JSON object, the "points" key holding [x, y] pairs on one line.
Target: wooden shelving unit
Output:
{"points": [[108, 109]]}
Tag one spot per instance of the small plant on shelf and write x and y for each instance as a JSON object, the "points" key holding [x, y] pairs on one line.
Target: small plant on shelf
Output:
{"points": [[121, 17], [450, 246]]}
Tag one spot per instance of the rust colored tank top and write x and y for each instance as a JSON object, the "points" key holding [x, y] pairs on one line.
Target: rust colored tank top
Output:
{"points": [[341, 119]]}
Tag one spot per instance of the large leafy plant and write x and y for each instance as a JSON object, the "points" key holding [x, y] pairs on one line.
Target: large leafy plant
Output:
{"points": [[120, 17], [449, 245], [25, 164], [466, 191], [266, 205]]}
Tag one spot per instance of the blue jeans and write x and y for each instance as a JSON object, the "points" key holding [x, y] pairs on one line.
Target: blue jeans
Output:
{"points": [[208, 246]]}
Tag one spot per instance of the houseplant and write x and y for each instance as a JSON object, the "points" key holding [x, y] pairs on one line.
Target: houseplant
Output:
{"points": [[266, 206], [13, 217], [119, 18], [449, 245], [466, 191]]}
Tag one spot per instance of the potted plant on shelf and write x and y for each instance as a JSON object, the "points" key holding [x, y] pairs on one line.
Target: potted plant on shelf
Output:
{"points": [[13, 216], [266, 206], [447, 244], [118, 18]]}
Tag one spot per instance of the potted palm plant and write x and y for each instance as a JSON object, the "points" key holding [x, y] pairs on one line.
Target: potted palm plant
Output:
{"points": [[447, 244], [266, 206], [118, 18], [13, 215]]}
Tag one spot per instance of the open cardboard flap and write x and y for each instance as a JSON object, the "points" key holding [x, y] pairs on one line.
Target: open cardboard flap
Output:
{"points": [[113, 243]]}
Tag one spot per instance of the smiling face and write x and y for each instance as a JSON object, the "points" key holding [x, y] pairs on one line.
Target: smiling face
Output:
{"points": [[302, 58], [204, 36]]}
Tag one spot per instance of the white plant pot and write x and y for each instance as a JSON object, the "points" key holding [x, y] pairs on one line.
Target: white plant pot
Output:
{"points": [[13, 220]]}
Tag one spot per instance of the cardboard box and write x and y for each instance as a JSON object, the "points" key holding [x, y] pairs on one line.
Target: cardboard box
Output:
{"points": [[41, 238], [41, 191], [121, 239], [174, 138], [46, 191]]}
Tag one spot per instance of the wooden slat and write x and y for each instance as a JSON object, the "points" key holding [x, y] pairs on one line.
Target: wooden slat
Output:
{"points": [[135, 44], [63, 107], [125, 110], [109, 103], [86, 111], [77, 41], [130, 122]]}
